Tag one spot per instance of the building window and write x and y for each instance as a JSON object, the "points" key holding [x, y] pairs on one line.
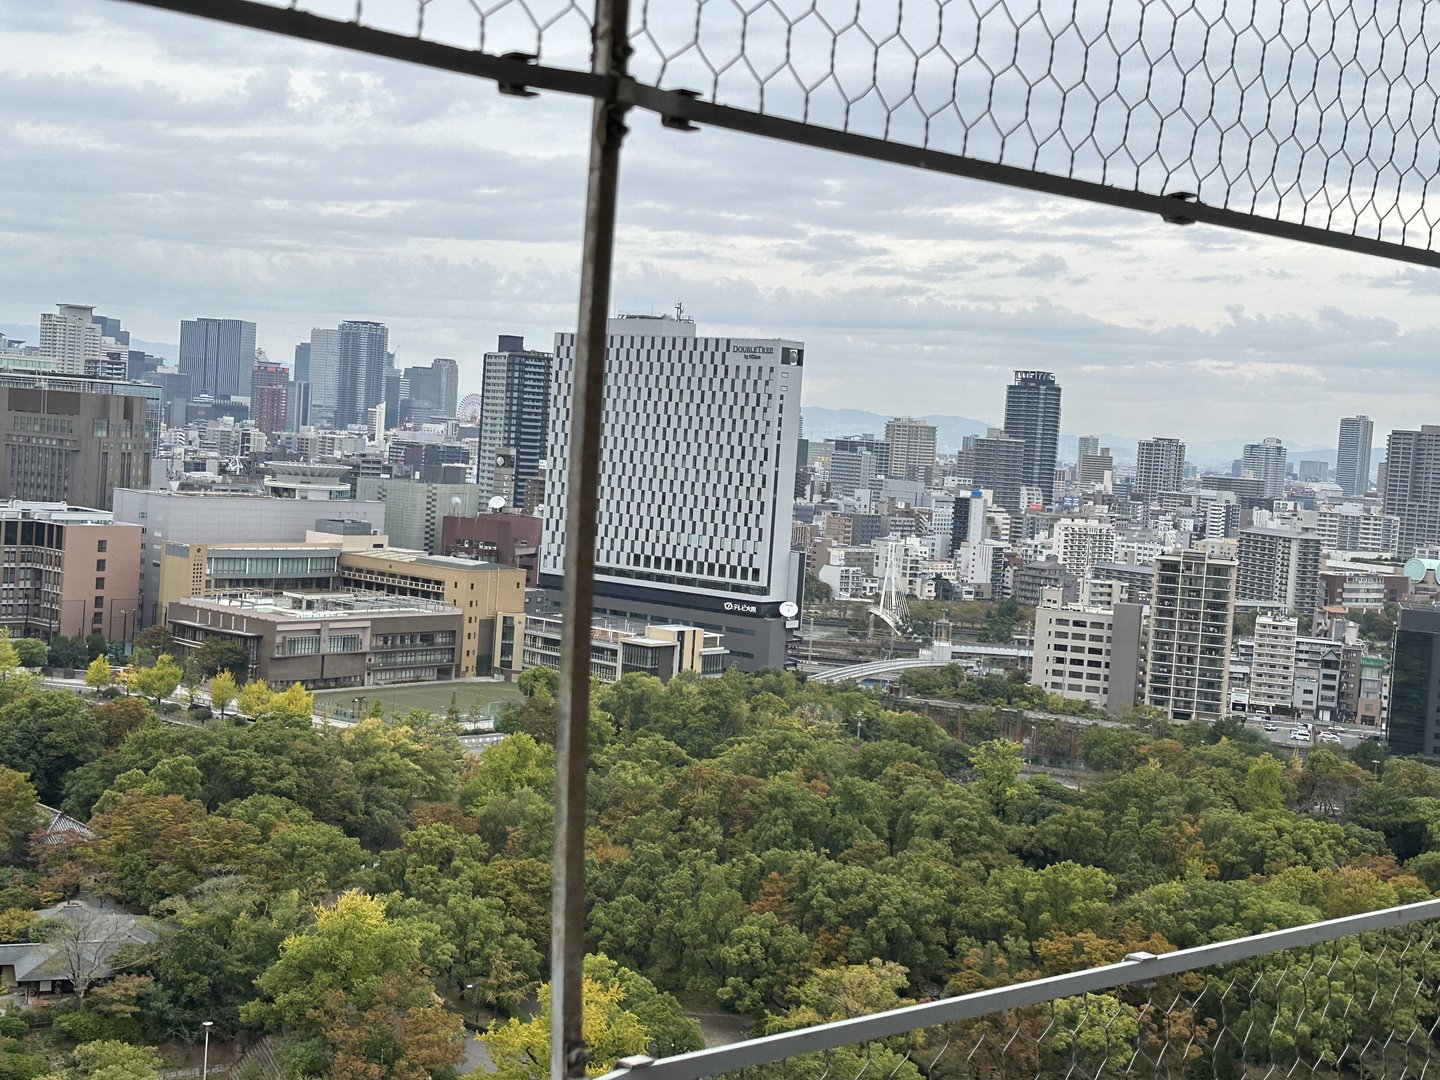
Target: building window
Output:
{"points": [[300, 645], [100, 583], [99, 602], [104, 545], [99, 565]]}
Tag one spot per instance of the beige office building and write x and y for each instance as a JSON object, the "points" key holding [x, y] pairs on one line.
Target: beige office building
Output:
{"points": [[67, 570]]}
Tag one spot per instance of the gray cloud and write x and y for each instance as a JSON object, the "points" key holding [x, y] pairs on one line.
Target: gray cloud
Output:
{"points": [[164, 167]]}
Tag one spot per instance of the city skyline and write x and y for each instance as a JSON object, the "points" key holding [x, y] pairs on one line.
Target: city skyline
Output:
{"points": [[954, 285]]}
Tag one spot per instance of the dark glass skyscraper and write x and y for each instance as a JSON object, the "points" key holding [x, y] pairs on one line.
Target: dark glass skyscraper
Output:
{"points": [[218, 355], [1413, 687], [1032, 414]]}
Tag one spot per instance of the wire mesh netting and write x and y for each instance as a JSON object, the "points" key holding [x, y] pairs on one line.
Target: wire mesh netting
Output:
{"points": [[1362, 1006], [1315, 113]]}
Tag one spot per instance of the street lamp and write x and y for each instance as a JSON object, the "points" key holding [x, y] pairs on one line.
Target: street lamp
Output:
{"points": [[205, 1061]]}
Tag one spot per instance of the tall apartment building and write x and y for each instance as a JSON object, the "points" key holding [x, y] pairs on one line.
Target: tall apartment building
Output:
{"points": [[1192, 605], [1265, 460], [1080, 543], [218, 355], [1086, 446], [912, 448], [364, 357], [999, 466], [514, 418], [1159, 467], [74, 440], [1411, 486], [1281, 566], [1085, 653], [1353, 528], [1272, 671], [267, 374], [1032, 414], [67, 570], [70, 336], [696, 476], [1352, 457]]}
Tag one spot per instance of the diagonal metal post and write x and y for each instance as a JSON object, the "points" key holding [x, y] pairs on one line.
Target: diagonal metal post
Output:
{"points": [[567, 932]]}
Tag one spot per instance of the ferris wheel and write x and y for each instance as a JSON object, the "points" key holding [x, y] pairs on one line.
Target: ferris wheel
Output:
{"points": [[470, 408]]}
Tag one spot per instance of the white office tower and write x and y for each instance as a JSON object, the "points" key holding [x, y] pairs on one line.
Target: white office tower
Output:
{"points": [[71, 336], [696, 477]]}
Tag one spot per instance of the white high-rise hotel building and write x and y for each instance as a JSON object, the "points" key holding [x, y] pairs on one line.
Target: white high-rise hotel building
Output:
{"points": [[697, 473]]}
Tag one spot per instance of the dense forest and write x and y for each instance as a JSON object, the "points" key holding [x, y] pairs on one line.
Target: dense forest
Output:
{"points": [[785, 851]]}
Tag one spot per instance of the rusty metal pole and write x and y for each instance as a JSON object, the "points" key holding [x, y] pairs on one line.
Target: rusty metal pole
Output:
{"points": [[567, 928]]}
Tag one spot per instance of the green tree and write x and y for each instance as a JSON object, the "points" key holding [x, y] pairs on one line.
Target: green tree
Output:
{"points": [[99, 674], [155, 639], [9, 657], [217, 654], [33, 652], [158, 681], [95, 645], [68, 652], [47, 735], [19, 813], [110, 1059], [352, 949], [223, 691]]}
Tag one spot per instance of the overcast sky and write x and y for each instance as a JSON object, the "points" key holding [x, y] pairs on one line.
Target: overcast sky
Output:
{"points": [[161, 167]]}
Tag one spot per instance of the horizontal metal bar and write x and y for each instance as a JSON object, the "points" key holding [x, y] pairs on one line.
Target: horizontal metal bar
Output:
{"points": [[684, 108], [508, 71], [788, 1044]]}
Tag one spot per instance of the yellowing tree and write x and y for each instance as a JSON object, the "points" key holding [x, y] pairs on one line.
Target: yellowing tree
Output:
{"points": [[158, 681], [99, 674], [255, 696], [223, 691], [9, 658], [521, 1051]]}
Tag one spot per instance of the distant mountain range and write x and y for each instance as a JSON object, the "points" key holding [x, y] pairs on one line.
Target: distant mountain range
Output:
{"points": [[822, 423]]}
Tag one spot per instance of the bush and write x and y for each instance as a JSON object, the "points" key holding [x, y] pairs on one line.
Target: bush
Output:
{"points": [[199, 712], [13, 1026]]}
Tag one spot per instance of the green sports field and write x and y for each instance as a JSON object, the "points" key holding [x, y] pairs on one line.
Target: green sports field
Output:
{"points": [[471, 696]]}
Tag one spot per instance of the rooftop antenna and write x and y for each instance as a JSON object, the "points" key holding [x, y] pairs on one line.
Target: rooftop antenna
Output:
{"points": [[679, 311]]}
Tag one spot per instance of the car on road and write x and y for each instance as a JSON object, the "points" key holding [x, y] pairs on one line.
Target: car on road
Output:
{"points": [[1270, 725], [1329, 736], [1299, 735]]}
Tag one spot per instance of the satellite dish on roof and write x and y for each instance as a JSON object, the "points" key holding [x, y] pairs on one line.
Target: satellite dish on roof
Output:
{"points": [[497, 503], [456, 505], [789, 609]]}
